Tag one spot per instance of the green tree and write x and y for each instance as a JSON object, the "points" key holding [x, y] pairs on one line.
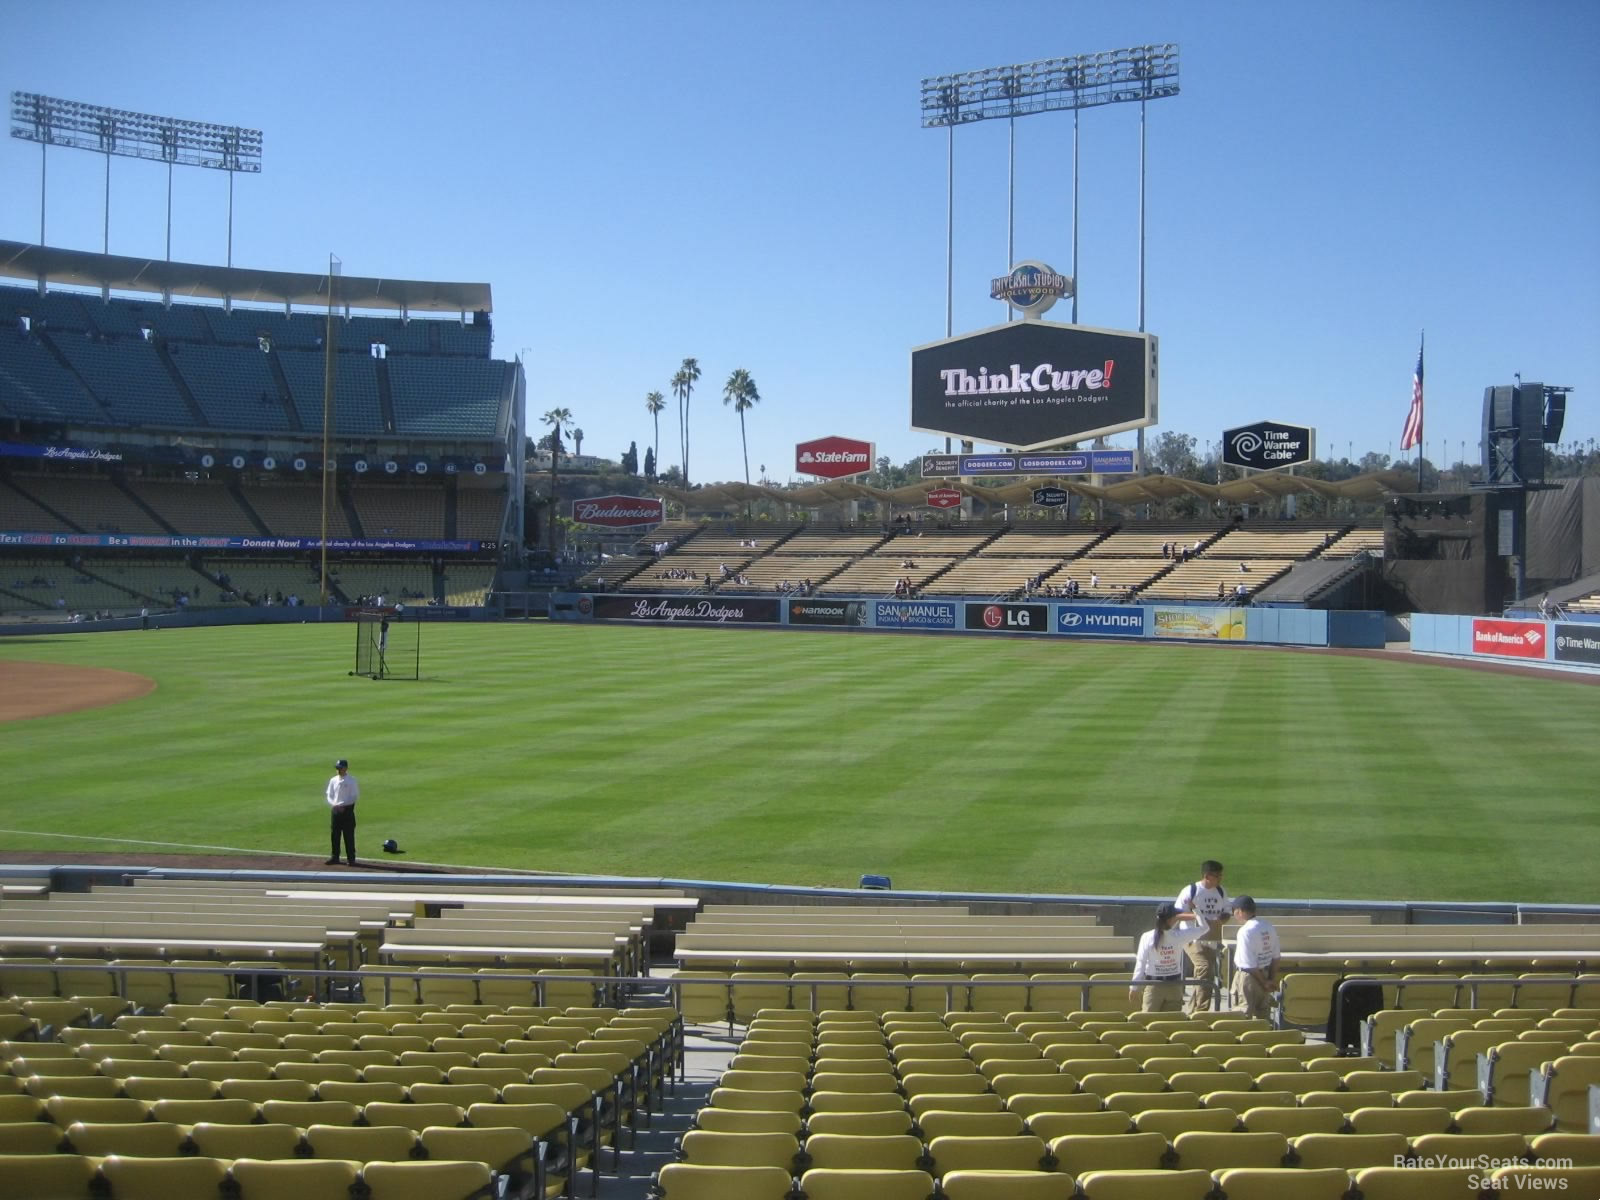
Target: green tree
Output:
{"points": [[740, 391], [683, 388], [653, 404], [555, 418], [649, 464]]}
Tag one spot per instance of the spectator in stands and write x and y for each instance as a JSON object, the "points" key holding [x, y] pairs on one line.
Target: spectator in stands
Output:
{"points": [[1158, 965], [1207, 897], [1166, 549], [1240, 592], [342, 793], [1243, 569], [1094, 581], [1255, 959], [1222, 589]]}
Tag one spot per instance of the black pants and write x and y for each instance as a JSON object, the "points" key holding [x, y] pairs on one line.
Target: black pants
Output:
{"points": [[344, 822]]}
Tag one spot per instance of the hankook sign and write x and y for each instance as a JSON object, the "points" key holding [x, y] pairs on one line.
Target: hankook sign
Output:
{"points": [[1030, 384]]}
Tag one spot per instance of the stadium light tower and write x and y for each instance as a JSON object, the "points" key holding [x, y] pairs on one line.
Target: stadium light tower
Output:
{"points": [[53, 122], [1139, 73]]}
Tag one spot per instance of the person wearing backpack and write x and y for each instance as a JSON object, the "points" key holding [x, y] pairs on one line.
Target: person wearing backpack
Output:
{"points": [[1207, 898]]}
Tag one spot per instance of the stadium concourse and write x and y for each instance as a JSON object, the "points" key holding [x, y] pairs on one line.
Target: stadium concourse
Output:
{"points": [[246, 1030]]}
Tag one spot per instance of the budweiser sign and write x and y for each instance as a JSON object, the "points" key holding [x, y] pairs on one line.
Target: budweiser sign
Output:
{"points": [[618, 512], [943, 498], [833, 457]]}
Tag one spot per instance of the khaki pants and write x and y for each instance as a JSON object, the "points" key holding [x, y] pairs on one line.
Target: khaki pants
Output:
{"points": [[1203, 957], [1251, 996], [1163, 997]]}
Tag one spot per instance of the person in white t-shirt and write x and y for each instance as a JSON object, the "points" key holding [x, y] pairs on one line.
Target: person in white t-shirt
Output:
{"points": [[1158, 964], [1206, 897], [1255, 960]]}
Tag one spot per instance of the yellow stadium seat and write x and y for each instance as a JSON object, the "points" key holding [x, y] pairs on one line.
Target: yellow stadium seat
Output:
{"points": [[1283, 1183], [832, 1183], [1145, 1185], [1078, 1154], [689, 1181]]}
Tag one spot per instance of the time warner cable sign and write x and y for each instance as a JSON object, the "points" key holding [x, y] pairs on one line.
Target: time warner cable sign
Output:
{"points": [[1268, 445], [1031, 384]]}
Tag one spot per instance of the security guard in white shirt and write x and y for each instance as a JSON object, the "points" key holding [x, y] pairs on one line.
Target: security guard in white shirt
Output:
{"points": [[343, 792]]}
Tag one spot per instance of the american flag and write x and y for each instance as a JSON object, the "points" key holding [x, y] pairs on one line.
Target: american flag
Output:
{"points": [[1413, 431]]}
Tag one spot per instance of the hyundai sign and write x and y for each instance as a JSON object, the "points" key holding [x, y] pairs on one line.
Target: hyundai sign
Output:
{"points": [[1100, 620], [1031, 384], [1268, 446]]}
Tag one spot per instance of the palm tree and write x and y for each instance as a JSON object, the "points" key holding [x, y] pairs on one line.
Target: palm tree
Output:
{"points": [[653, 404], [577, 442], [683, 387], [740, 391], [555, 418]]}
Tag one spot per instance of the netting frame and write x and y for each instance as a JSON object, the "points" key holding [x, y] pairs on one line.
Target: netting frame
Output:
{"points": [[383, 649]]}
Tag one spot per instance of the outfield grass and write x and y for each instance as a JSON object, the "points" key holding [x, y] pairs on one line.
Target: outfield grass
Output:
{"points": [[948, 763]]}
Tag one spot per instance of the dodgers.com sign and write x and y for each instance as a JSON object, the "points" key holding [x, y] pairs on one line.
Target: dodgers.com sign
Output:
{"points": [[1100, 620], [915, 614]]}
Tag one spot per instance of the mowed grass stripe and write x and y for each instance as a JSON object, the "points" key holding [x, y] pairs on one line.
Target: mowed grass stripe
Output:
{"points": [[949, 763]]}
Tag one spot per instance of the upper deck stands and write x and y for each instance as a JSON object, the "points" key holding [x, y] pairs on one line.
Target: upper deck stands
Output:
{"points": [[65, 356]]}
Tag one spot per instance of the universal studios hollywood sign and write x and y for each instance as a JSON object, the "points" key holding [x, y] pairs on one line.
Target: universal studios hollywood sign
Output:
{"points": [[1031, 384]]}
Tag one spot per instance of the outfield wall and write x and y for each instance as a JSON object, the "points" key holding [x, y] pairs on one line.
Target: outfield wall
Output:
{"points": [[1565, 645], [1271, 626]]}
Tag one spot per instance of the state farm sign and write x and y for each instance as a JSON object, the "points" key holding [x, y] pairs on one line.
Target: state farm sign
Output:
{"points": [[943, 498], [1509, 639], [618, 512], [833, 457]]}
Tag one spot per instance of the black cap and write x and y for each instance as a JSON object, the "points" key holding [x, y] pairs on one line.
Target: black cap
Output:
{"points": [[1165, 912], [341, 765]]}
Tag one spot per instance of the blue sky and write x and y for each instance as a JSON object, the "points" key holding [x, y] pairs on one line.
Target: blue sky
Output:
{"points": [[749, 184]]}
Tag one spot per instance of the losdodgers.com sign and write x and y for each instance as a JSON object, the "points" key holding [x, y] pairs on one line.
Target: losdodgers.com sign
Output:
{"points": [[1100, 621]]}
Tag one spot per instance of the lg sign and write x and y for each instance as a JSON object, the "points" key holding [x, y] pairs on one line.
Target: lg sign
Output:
{"points": [[1009, 618], [833, 457]]}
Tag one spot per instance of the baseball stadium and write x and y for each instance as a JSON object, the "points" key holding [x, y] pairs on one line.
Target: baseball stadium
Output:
{"points": [[762, 842]]}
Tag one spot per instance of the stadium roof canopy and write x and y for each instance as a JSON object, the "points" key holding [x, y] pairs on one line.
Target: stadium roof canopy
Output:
{"points": [[23, 260], [1370, 487]]}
